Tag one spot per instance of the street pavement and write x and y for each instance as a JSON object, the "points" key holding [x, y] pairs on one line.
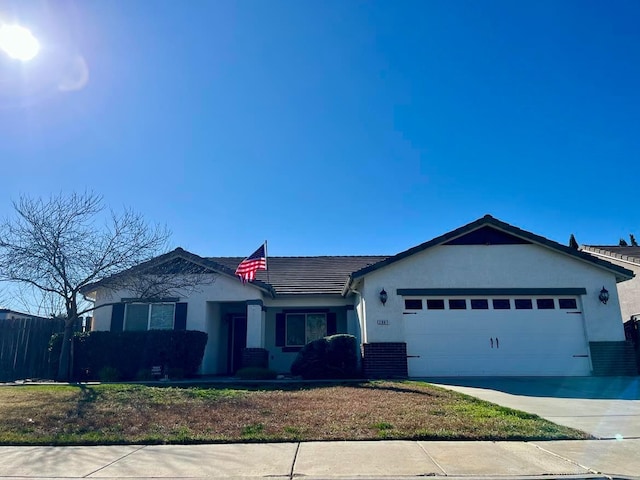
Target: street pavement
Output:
{"points": [[608, 408], [328, 460]]}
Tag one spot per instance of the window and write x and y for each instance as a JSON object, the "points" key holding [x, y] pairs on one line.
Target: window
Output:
{"points": [[457, 304], [523, 304], [567, 303], [149, 316], [136, 316], [302, 328], [501, 304], [413, 304], [435, 304], [545, 304], [161, 316], [479, 304]]}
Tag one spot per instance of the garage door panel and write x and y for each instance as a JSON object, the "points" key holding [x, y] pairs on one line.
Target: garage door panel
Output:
{"points": [[496, 342], [495, 365]]}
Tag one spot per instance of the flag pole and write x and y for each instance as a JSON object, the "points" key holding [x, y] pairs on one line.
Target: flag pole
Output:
{"points": [[266, 264]]}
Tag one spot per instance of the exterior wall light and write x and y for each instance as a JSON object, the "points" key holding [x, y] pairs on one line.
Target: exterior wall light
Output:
{"points": [[383, 297], [604, 295]]}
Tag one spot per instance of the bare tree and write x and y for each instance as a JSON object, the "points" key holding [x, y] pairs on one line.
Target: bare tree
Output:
{"points": [[59, 246]]}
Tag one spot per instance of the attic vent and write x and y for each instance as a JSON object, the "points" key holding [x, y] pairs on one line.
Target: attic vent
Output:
{"points": [[487, 236]]}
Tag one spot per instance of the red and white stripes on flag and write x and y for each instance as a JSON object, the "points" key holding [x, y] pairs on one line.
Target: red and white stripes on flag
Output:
{"points": [[254, 262]]}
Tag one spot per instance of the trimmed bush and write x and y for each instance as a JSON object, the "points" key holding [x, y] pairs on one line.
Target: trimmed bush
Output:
{"points": [[256, 373], [177, 351], [108, 374], [329, 357]]}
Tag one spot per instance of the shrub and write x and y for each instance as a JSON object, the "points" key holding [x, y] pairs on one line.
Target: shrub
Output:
{"points": [[131, 352], [109, 374], [175, 373], [329, 357], [144, 375], [256, 373]]}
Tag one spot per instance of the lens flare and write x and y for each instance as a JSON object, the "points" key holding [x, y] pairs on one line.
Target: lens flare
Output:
{"points": [[18, 42]]}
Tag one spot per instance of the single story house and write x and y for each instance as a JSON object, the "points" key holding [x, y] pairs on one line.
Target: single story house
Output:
{"points": [[629, 258], [8, 314], [486, 299]]}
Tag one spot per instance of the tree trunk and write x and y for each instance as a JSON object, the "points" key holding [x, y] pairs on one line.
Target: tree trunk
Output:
{"points": [[64, 366]]}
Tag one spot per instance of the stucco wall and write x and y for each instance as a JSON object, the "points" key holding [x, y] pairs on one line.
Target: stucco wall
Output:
{"points": [[202, 314], [628, 291], [489, 266], [222, 289]]}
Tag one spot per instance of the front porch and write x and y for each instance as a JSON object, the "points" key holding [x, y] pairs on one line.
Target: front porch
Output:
{"points": [[250, 334]]}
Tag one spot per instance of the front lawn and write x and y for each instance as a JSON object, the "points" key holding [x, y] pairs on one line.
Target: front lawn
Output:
{"points": [[122, 413]]}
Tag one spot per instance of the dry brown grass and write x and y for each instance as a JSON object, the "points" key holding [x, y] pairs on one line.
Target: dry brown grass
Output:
{"points": [[103, 414]]}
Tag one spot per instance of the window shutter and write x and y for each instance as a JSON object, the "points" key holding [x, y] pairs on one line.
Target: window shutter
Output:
{"points": [[117, 317], [181, 317], [281, 330], [332, 323]]}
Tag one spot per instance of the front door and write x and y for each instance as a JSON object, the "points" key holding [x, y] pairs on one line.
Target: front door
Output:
{"points": [[236, 343]]}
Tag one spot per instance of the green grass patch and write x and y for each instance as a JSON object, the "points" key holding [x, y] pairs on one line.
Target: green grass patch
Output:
{"points": [[139, 414]]}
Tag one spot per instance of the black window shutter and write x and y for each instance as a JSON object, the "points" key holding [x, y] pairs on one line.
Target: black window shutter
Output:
{"points": [[117, 317], [332, 323], [181, 317], [281, 329]]}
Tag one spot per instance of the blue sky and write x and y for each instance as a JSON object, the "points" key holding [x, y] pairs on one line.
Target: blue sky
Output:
{"points": [[330, 127]]}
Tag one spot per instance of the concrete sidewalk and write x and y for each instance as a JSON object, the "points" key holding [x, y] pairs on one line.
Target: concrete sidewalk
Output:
{"points": [[383, 459]]}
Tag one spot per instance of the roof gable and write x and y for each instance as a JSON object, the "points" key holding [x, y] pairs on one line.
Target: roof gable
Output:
{"points": [[178, 261], [495, 232], [487, 235]]}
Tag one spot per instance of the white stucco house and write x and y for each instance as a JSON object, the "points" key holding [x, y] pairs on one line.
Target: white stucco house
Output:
{"points": [[486, 299], [627, 257]]}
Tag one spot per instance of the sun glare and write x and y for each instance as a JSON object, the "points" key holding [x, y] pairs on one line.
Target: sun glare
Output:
{"points": [[18, 42]]}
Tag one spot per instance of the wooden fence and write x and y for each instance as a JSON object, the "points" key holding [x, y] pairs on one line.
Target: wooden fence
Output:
{"points": [[24, 351]]}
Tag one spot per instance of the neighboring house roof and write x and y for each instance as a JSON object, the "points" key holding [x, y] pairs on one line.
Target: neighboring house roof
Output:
{"points": [[627, 254], [525, 237], [325, 275], [6, 313]]}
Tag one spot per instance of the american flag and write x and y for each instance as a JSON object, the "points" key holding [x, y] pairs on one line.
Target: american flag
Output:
{"points": [[254, 262]]}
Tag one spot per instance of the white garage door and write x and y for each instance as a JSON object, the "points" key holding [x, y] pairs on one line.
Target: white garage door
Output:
{"points": [[458, 336]]}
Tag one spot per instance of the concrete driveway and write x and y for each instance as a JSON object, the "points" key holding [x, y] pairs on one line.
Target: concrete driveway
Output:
{"points": [[605, 407]]}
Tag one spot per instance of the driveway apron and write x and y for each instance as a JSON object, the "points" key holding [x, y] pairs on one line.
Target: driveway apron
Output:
{"points": [[605, 407]]}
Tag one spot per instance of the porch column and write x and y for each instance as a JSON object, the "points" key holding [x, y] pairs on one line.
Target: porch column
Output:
{"points": [[352, 323], [255, 355], [255, 329], [353, 328]]}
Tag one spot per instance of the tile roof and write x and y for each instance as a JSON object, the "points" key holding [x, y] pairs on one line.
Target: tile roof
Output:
{"points": [[629, 254], [306, 275]]}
